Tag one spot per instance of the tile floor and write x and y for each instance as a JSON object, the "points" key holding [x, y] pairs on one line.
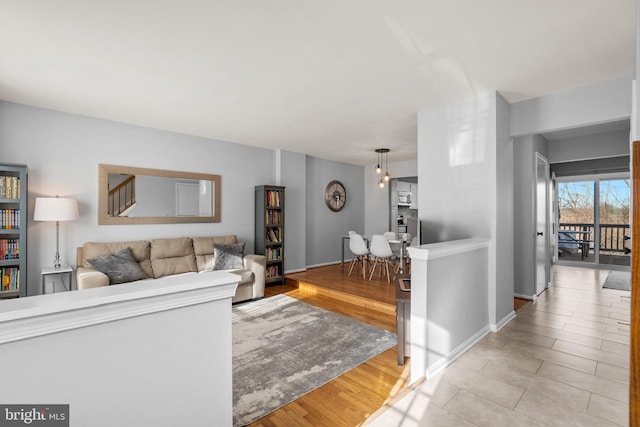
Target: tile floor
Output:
{"points": [[564, 360]]}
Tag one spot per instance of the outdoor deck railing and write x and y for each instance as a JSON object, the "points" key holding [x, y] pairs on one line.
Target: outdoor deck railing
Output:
{"points": [[612, 236]]}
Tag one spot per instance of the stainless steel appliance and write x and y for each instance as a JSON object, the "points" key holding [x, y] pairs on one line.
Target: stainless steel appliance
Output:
{"points": [[402, 223], [404, 198]]}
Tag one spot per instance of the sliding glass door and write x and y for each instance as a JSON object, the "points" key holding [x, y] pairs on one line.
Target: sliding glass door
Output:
{"points": [[576, 222], [593, 220], [614, 222]]}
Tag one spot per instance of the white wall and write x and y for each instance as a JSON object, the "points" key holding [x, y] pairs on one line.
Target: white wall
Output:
{"points": [[63, 151], [292, 169], [603, 102], [456, 150], [635, 116], [586, 147], [524, 155], [463, 148], [325, 227], [504, 224]]}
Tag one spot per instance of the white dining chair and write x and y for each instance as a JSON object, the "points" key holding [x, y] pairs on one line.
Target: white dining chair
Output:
{"points": [[359, 248], [383, 255]]}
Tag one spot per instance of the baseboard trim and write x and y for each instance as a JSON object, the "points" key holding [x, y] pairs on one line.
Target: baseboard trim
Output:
{"points": [[299, 270], [324, 264], [506, 319], [529, 297], [447, 360]]}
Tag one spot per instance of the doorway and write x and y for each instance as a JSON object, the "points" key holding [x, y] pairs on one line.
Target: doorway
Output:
{"points": [[593, 221], [403, 211], [542, 274]]}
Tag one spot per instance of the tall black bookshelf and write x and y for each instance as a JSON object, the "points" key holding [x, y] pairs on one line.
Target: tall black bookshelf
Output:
{"points": [[269, 235], [13, 231]]}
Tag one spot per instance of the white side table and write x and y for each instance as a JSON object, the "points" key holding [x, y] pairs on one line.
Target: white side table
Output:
{"points": [[62, 271]]}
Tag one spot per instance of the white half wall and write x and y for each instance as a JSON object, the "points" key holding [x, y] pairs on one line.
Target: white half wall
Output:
{"points": [[446, 275], [149, 353]]}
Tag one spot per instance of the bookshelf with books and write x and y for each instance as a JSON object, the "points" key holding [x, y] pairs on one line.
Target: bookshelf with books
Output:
{"points": [[269, 234], [13, 231]]}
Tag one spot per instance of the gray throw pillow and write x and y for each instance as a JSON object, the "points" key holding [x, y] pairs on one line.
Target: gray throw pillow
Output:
{"points": [[228, 256], [120, 266]]}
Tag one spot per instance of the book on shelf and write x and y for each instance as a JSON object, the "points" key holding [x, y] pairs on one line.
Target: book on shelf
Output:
{"points": [[9, 249], [273, 235], [274, 254], [273, 198], [273, 217], [9, 187], [10, 219], [9, 279], [273, 271]]}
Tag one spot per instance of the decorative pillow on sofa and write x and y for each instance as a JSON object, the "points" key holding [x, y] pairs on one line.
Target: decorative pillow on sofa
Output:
{"points": [[120, 266], [228, 256]]}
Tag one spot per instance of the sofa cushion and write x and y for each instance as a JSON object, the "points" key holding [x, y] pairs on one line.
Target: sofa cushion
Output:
{"points": [[228, 256], [120, 266], [140, 249], [203, 247], [172, 256]]}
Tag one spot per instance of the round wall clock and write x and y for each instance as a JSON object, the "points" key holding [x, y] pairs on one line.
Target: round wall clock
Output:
{"points": [[335, 195]]}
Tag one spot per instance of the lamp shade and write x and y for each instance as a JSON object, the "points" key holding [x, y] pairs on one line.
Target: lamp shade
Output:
{"points": [[55, 209]]}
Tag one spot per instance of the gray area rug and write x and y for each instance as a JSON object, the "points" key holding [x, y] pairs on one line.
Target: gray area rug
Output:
{"points": [[284, 348], [618, 280]]}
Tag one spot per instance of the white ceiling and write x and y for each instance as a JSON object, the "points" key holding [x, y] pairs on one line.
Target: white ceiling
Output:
{"points": [[333, 79]]}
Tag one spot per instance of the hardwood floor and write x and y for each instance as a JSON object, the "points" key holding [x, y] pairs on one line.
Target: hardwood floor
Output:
{"points": [[351, 398], [334, 278], [519, 302]]}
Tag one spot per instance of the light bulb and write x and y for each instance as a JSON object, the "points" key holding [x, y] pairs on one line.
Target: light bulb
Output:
{"points": [[387, 177], [381, 184], [378, 169]]}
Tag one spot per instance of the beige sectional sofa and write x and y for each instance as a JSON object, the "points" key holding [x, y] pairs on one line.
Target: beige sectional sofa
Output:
{"points": [[163, 257]]}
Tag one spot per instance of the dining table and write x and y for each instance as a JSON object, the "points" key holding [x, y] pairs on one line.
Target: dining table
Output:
{"points": [[403, 247]]}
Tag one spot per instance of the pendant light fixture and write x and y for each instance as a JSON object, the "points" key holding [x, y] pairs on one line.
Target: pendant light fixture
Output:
{"points": [[383, 155]]}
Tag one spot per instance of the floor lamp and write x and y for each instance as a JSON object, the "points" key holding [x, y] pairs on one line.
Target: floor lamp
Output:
{"points": [[56, 209]]}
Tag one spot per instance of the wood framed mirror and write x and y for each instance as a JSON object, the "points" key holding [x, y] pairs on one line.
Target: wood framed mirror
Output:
{"points": [[129, 195]]}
